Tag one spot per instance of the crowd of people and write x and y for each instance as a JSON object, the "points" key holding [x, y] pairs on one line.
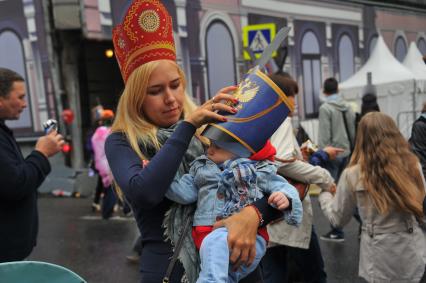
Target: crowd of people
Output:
{"points": [[179, 165]]}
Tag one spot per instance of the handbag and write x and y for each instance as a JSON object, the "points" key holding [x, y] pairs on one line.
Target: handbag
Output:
{"points": [[301, 187]]}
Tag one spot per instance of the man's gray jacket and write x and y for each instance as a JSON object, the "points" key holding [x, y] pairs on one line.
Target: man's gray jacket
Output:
{"points": [[332, 131]]}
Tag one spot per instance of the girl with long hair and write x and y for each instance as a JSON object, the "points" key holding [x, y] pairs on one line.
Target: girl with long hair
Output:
{"points": [[384, 180]]}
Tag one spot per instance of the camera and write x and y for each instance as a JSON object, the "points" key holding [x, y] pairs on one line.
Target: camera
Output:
{"points": [[50, 125]]}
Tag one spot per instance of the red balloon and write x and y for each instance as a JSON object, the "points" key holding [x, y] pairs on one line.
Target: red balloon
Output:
{"points": [[66, 148], [68, 116]]}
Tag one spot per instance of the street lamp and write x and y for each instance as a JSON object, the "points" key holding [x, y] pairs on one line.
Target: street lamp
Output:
{"points": [[109, 53]]}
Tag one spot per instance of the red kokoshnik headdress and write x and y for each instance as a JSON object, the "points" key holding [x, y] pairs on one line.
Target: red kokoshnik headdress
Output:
{"points": [[145, 35]]}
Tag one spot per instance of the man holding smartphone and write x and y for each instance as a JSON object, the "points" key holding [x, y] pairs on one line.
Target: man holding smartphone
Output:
{"points": [[20, 177]]}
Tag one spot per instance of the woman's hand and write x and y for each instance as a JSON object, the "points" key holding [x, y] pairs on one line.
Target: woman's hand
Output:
{"points": [[208, 111], [333, 151], [242, 230]]}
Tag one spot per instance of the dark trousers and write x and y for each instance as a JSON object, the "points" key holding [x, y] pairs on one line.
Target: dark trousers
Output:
{"points": [[98, 191], [108, 202], [282, 264], [155, 259]]}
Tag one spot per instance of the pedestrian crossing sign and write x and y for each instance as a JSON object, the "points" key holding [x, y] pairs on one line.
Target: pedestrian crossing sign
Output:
{"points": [[257, 38]]}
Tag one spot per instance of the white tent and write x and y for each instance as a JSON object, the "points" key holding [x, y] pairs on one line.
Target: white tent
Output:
{"points": [[394, 83], [414, 62]]}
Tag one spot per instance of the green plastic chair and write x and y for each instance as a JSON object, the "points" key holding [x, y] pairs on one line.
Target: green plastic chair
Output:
{"points": [[36, 272]]}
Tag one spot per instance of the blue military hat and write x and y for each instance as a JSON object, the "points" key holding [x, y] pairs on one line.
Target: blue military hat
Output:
{"points": [[262, 107]]}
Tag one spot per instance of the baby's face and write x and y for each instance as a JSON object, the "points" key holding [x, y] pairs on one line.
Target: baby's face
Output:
{"points": [[218, 155]]}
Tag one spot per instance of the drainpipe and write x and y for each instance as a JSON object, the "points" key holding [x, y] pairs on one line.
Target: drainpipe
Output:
{"points": [[53, 60], [183, 37]]}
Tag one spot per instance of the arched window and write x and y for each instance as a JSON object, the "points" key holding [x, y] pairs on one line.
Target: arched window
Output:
{"points": [[421, 44], [220, 57], [346, 57], [372, 44], [400, 49], [311, 67], [12, 57]]}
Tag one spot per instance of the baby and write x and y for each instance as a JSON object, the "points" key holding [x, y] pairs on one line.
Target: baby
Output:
{"points": [[222, 182]]}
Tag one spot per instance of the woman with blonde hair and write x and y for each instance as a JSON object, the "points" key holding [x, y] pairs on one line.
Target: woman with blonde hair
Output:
{"points": [[385, 181], [155, 138]]}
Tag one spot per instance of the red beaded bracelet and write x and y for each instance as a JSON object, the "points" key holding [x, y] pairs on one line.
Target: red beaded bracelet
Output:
{"points": [[259, 215]]}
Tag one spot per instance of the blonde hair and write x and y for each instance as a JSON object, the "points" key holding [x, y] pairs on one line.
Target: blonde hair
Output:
{"points": [[390, 171], [131, 121]]}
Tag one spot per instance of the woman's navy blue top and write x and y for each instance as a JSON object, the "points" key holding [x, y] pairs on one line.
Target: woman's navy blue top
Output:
{"points": [[145, 189]]}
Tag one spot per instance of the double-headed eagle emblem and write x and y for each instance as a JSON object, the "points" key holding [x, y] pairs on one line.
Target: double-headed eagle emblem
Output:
{"points": [[247, 90]]}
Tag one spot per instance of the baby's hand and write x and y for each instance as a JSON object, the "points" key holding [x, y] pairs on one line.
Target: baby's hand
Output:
{"points": [[278, 200]]}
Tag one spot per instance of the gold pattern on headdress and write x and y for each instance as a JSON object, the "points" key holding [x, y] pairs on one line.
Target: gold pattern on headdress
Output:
{"points": [[264, 112], [149, 21], [146, 48], [134, 12], [121, 43], [247, 90]]}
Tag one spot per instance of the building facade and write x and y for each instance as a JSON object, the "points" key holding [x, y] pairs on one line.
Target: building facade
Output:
{"points": [[59, 47]]}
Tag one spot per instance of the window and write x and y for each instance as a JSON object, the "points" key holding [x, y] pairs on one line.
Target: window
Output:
{"points": [[421, 44], [220, 57], [400, 49], [346, 58], [12, 57], [311, 69]]}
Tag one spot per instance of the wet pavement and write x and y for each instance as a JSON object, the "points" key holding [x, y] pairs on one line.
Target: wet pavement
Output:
{"points": [[78, 239], [73, 236], [341, 259]]}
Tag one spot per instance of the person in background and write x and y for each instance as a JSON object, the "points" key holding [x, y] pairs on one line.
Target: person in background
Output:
{"points": [[96, 118], [418, 138], [368, 104], [287, 243], [101, 163], [229, 172], [20, 177], [157, 121], [418, 142], [384, 180], [336, 128]]}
